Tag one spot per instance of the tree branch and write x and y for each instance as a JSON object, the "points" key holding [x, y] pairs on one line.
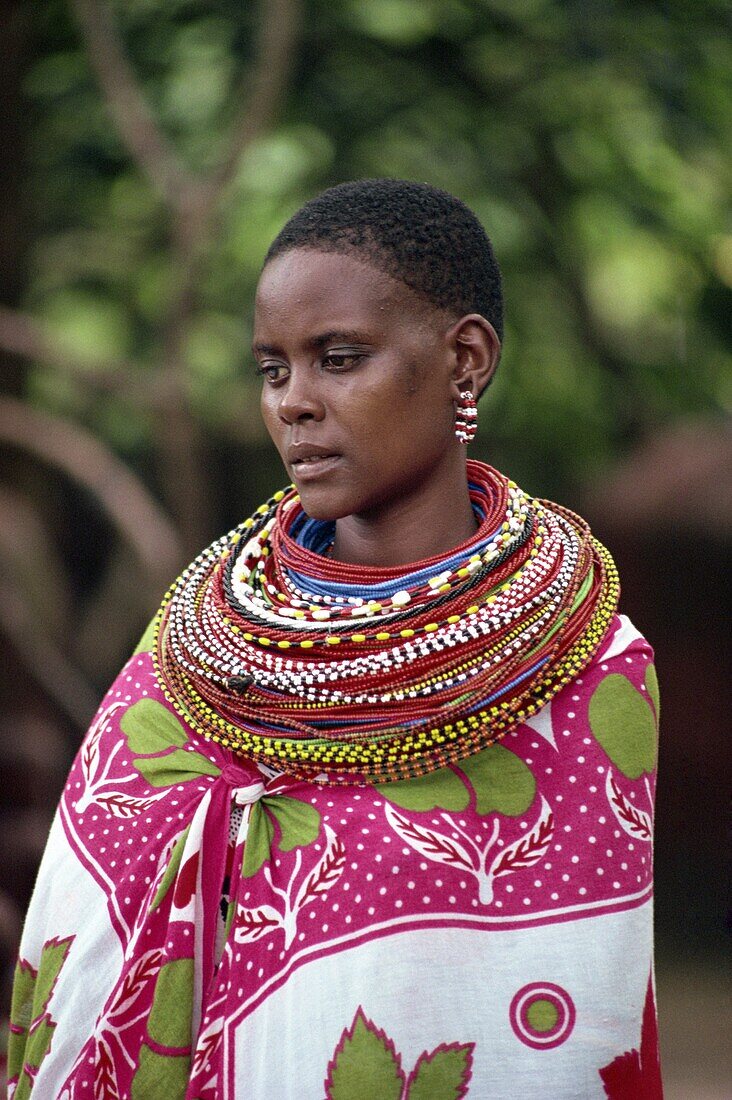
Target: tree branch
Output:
{"points": [[139, 519], [23, 335], [64, 683], [267, 82], [145, 141]]}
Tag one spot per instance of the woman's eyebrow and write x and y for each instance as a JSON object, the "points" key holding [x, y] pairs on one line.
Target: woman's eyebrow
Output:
{"points": [[266, 349], [320, 341], [339, 336]]}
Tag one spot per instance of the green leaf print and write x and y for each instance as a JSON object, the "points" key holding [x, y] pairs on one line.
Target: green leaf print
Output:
{"points": [[365, 1065], [299, 825], [259, 840], [175, 767], [21, 1010], [53, 957], [160, 1076], [444, 1073], [30, 1019], [441, 789], [39, 1040], [502, 781], [169, 1023], [299, 822], [150, 727], [624, 723]]}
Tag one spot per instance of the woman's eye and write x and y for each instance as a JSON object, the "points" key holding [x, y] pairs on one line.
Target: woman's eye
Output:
{"points": [[341, 360], [273, 372]]}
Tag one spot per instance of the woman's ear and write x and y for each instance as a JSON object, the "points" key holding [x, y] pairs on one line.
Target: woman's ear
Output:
{"points": [[476, 350]]}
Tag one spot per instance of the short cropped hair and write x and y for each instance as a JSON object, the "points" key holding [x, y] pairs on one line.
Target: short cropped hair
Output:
{"points": [[414, 232]]}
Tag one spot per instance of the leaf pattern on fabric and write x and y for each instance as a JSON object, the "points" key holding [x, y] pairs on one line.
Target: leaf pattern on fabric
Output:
{"points": [[429, 842], [298, 822], [132, 987], [106, 1086], [637, 1073], [499, 780], [634, 821], [160, 1076], [253, 924], [31, 1024], [366, 1064], [446, 1073], [476, 854], [441, 789], [169, 1022], [178, 766], [502, 782], [150, 728], [624, 723]]}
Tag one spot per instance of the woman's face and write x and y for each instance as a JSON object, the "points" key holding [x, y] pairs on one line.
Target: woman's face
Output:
{"points": [[357, 389]]}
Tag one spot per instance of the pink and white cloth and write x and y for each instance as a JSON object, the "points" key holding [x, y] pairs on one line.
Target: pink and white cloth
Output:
{"points": [[201, 929]]}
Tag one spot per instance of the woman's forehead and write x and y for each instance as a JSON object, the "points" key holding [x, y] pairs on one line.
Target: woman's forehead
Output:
{"points": [[335, 289]]}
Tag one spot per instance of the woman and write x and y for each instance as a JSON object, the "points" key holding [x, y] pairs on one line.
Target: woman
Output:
{"points": [[368, 814]]}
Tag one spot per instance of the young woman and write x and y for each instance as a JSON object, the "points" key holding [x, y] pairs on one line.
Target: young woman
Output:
{"points": [[369, 813]]}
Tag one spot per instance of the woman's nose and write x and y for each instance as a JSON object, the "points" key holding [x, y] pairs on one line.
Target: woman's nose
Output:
{"points": [[300, 401]]}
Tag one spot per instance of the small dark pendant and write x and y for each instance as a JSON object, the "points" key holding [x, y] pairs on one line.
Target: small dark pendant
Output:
{"points": [[240, 684]]}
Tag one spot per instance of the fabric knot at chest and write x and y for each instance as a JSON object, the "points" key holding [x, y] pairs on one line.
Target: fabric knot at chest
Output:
{"points": [[245, 788]]}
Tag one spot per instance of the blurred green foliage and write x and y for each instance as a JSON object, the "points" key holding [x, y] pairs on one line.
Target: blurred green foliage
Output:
{"points": [[590, 136]]}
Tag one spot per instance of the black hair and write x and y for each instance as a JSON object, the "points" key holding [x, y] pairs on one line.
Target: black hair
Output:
{"points": [[414, 232]]}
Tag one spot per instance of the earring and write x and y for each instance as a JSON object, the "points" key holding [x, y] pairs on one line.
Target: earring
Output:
{"points": [[466, 418]]}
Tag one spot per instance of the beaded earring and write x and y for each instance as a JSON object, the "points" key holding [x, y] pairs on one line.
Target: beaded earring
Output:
{"points": [[466, 418]]}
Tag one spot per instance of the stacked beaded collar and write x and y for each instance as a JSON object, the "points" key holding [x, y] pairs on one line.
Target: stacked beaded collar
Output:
{"points": [[346, 674]]}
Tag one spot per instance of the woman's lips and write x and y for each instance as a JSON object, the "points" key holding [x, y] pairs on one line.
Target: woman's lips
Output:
{"points": [[314, 466]]}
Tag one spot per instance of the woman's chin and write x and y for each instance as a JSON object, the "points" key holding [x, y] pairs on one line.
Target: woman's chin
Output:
{"points": [[322, 503]]}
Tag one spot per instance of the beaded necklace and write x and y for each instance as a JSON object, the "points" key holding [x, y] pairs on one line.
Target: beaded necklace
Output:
{"points": [[348, 674]]}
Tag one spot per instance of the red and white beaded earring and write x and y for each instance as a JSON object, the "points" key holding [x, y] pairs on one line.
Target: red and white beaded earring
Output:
{"points": [[466, 417]]}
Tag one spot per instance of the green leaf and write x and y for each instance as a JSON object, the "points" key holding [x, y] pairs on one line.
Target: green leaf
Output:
{"points": [[299, 822], [365, 1064], [175, 767], [445, 1073], [146, 642], [171, 870], [21, 1015], [441, 789], [624, 724], [24, 983], [150, 727], [24, 1086], [39, 1040], [258, 843], [169, 1023], [160, 1076], [501, 780], [53, 957]]}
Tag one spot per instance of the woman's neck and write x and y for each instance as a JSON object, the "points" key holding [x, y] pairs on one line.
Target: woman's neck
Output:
{"points": [[418, 525]]}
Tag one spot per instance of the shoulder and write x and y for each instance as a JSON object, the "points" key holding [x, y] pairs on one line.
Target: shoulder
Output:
{"points": [[623, 640], [616, 698]]}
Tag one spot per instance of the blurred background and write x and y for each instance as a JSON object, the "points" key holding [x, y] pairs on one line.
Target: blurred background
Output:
{"points": [[149, 152]]}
